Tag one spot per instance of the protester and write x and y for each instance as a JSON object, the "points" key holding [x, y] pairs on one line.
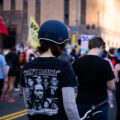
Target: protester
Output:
{"points": [[110, 92], [13, 62], [28, 50], [112, 57], [118, 54], [56, 99], [65, 56], [94, 76], [117, 75], [3, 71], [26, 55]]}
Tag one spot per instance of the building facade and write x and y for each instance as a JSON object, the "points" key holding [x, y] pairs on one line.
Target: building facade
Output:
{"points": [[99, 17]]}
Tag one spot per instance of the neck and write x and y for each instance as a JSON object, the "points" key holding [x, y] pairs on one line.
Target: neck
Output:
{"points": [[112, 55], [47, 54], [94, 51]]}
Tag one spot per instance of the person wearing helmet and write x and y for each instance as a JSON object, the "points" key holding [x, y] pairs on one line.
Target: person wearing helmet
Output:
{"points": [[53, 36]]}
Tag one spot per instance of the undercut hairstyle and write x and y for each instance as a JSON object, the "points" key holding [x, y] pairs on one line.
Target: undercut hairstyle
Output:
{"points": [[56, 49], [96, 42]]}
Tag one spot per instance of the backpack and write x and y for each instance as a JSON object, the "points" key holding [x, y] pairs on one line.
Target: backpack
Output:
{"points": [[22, 57]]}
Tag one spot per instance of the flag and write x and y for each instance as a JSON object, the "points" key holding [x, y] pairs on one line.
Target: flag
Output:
{"points": [[33, 33], [3, 29], [74, 39]]}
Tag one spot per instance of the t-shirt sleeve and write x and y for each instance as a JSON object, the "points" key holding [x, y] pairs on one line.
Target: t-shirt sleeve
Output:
{"points": [[22, 80], [109, 72], [67, 77]]}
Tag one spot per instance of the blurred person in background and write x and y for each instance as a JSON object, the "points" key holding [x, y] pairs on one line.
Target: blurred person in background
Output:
{"points": [[65, 56], [13, 63], [110, 92], [3, 71], [26, 55], [28, 50], [118, 54], [117, 76], [112, 56]]}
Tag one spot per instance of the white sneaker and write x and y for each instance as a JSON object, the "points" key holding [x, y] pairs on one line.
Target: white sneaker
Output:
{"points": [[17, 89], [111, 106]]}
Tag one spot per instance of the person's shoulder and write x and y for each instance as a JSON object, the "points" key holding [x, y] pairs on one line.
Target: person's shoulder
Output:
{"points": [[105, 62], [30, 64], [1, 57], [80, 58], [63, 64]]}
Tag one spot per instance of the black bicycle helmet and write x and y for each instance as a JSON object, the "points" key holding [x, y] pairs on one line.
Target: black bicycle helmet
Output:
{"points": [[54, 31]]}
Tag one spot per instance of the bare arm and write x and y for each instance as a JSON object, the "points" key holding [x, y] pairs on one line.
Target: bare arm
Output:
{"points": [[111, 84], [5, 72], [24, 96], [117, 69], [69, 103]]}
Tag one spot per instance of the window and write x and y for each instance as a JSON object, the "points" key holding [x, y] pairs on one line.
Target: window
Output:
{"points": [[83, 11], [12, 5], [1, 2], [12, 2], [66, 11], [10, 41], [37, 1], [25, 2]]}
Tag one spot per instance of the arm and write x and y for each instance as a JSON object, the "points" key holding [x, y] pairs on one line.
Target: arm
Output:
{"points": [[110, 77], [111, 84], [69, 103], [5, 72], [24, 96], [117, 69]]}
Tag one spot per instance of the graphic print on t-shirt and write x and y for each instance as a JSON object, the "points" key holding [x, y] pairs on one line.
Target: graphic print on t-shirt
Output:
{"points": [[41, 91]]}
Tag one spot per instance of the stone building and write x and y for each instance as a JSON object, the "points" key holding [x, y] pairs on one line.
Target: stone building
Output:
{"points": [[99, 17]]}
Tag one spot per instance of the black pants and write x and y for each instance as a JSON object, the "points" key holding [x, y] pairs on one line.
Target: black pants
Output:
{"points": [[1, 85], [44, 117], [17, 80], [118, 102]]}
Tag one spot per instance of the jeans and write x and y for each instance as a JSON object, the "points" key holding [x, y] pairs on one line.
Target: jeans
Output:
{"points": [[82, 108], [1, 86]]}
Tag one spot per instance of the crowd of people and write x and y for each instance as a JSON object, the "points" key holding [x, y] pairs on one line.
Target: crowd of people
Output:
{"points": [[47, 76]]}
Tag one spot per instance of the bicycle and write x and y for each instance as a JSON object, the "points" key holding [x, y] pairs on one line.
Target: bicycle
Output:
{"points": [[89, 115]]}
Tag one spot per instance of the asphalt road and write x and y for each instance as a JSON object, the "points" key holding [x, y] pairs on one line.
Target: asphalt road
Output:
{"points": [[17, 111]]}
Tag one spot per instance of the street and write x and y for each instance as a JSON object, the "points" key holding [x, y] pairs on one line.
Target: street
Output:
{"points": [[13, 111], [17, 111]]}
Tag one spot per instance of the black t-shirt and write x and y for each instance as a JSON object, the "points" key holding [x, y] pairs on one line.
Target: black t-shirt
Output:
{"points": [[43, 80], [12, 60], [93, 73]]}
